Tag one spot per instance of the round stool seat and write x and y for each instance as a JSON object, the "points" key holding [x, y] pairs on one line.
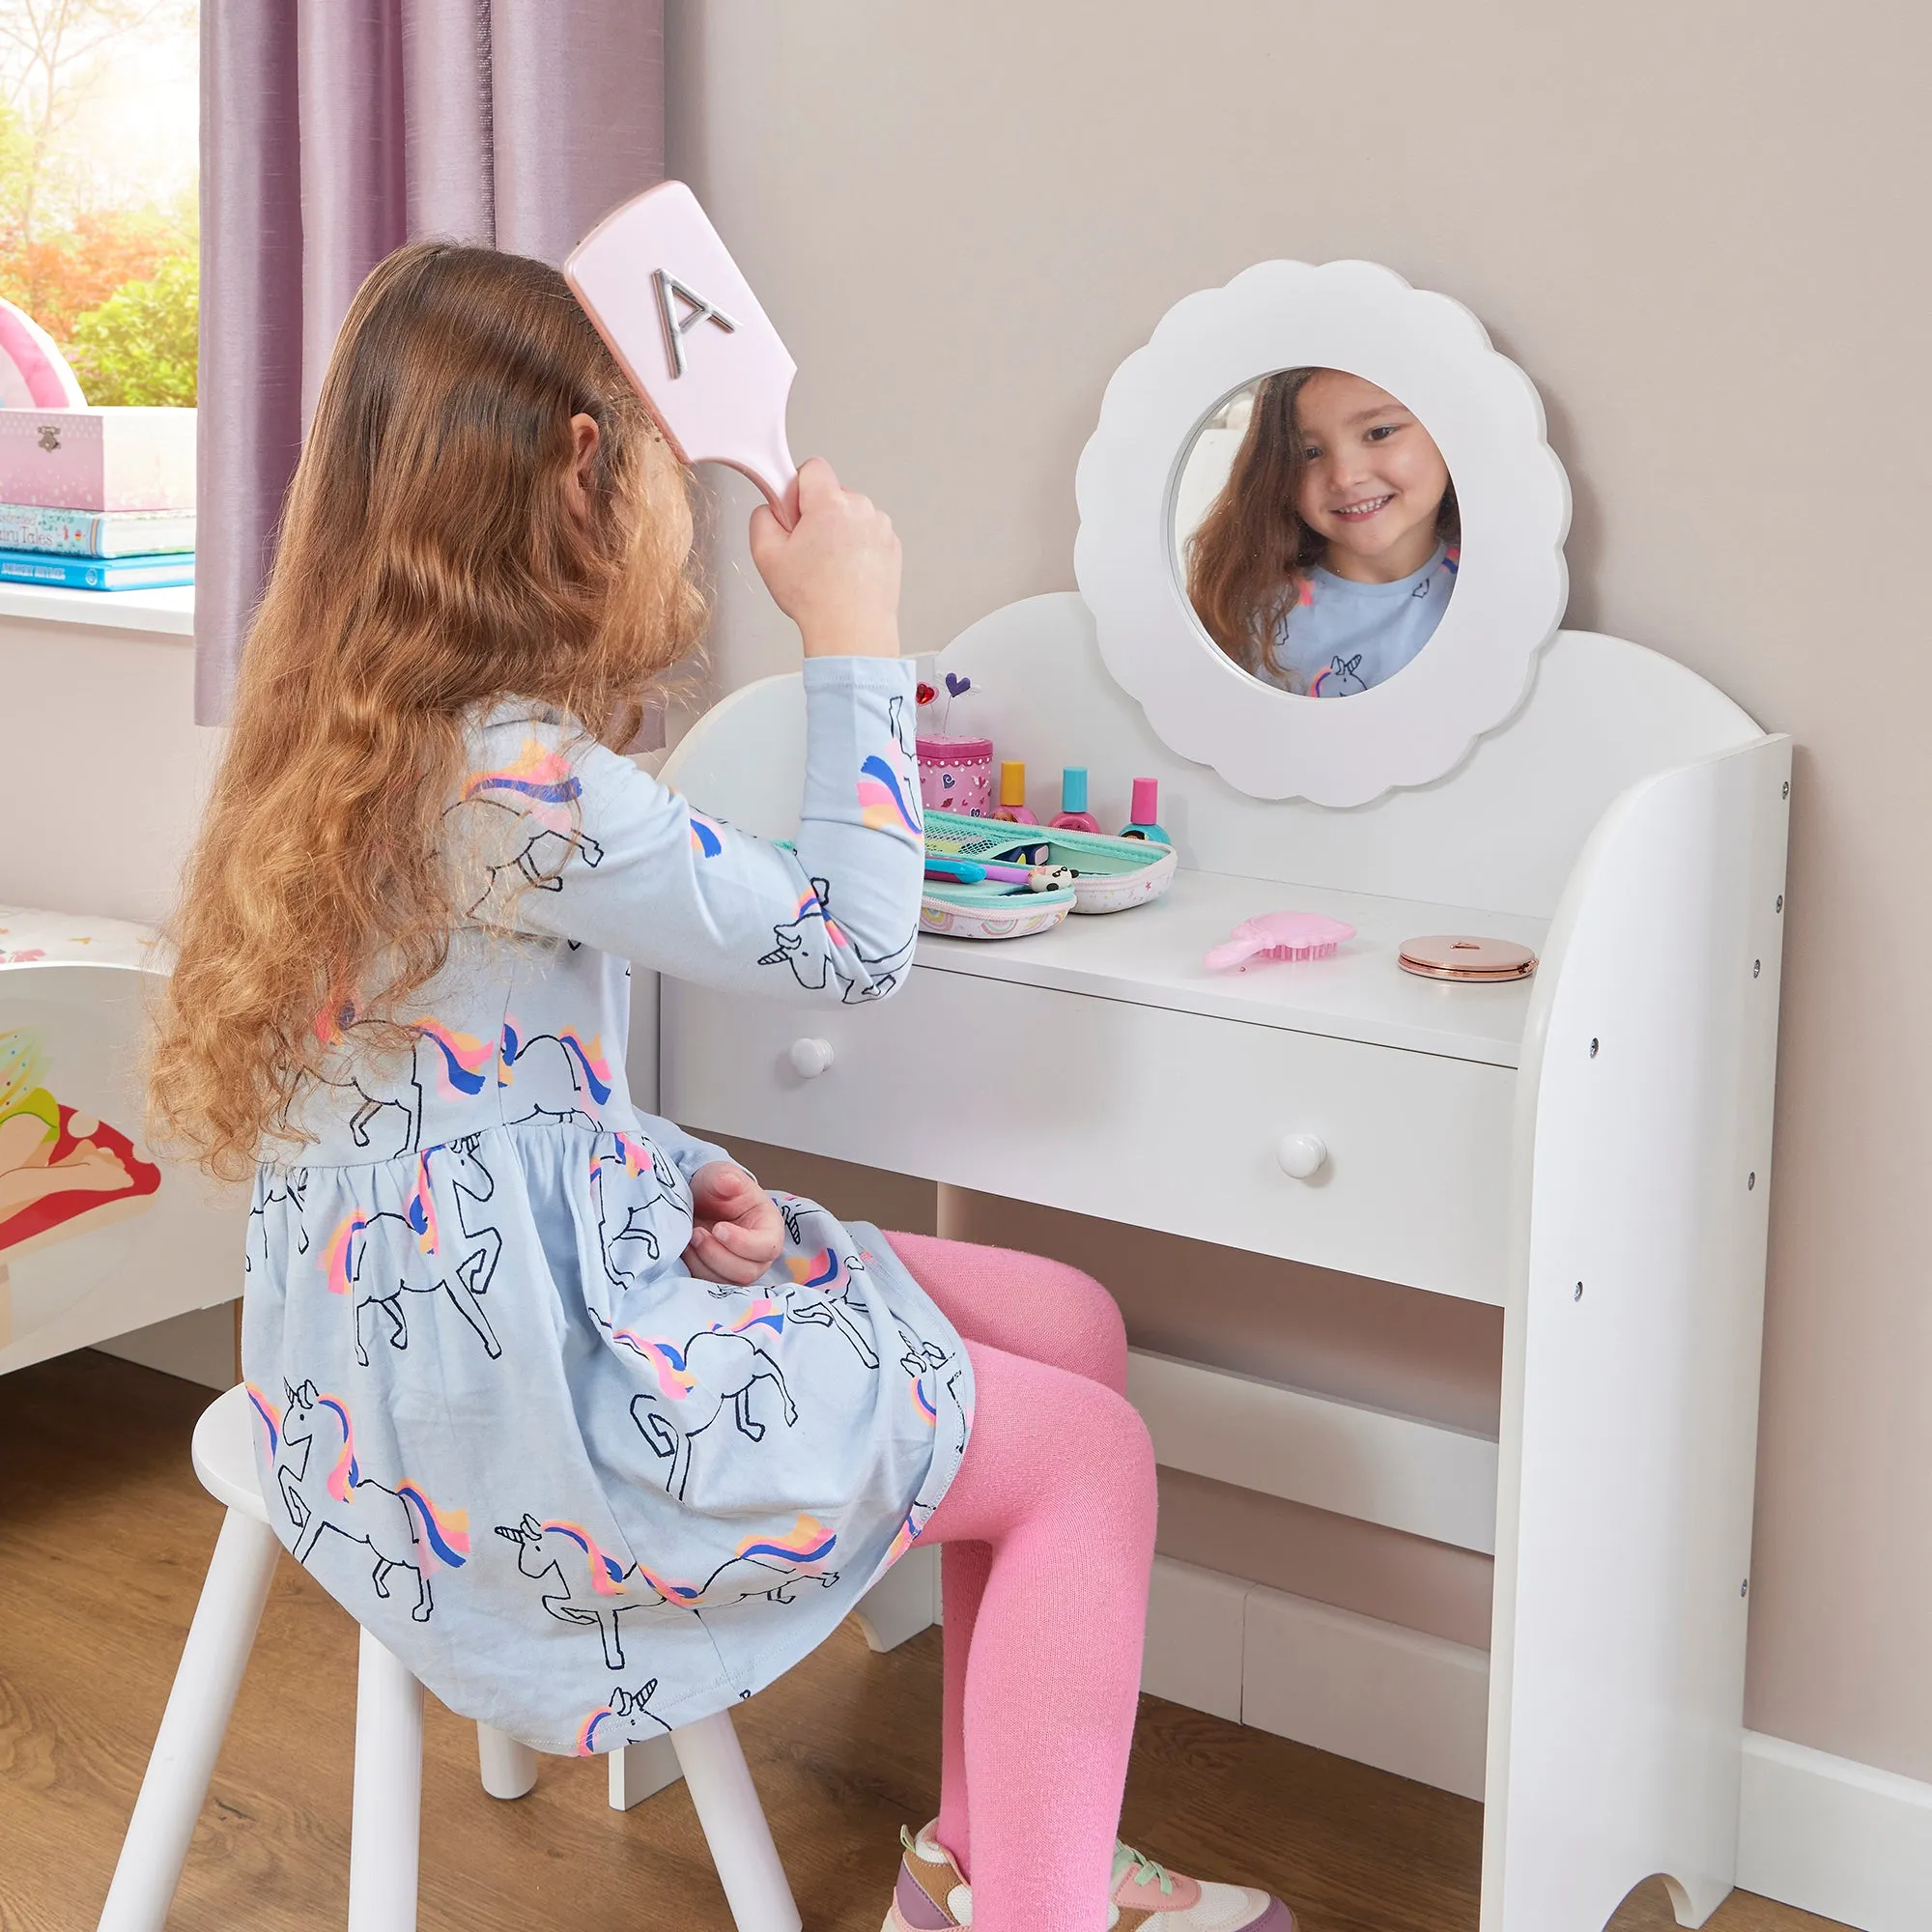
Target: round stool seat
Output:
{"points": [[224, 1454]]}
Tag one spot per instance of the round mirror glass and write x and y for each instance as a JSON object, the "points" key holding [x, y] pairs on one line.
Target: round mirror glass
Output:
{"points": [[1316, 533]]}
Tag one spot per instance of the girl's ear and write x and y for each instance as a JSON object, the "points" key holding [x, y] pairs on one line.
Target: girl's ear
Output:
{"points": [[582, 462]]}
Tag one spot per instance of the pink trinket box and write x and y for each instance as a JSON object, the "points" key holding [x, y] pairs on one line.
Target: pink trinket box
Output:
{"points": [[105, 458], [957, 775]]}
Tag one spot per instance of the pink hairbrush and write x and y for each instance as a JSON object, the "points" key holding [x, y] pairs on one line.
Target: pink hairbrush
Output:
{"points": [[685, 327], [1278, 935]]}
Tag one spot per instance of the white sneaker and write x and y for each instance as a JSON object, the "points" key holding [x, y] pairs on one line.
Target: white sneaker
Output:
{"points": [[932, 1896]]}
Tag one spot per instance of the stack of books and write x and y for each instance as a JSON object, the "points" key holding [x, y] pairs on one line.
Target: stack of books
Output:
{"points": [[97, 499]]}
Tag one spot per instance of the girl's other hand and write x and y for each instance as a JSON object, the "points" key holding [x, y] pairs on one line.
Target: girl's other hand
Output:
{"points": [[736, 1230], [836, 571]]}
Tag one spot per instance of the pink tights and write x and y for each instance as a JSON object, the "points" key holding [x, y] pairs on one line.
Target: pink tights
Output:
{"points": [[1050, 1522]]}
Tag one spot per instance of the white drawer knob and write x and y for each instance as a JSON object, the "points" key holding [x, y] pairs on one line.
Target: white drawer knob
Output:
{"points": [[1302, 1155], [810, 1058]]}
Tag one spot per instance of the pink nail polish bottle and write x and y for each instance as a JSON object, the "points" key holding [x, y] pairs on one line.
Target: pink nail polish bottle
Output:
{"points": [[1141, 823], [1073, 816]]}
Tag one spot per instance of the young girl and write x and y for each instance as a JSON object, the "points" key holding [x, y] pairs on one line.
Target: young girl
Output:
{"points": [[597, 1436], [1325, 563]]}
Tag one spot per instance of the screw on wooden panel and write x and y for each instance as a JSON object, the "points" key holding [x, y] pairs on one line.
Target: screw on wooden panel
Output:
{"points": [[1750, 1180], [1593, 1049], [1579, 1295], [1787, 788], [1780, 902], [1757, 966], [1743, 1588]]}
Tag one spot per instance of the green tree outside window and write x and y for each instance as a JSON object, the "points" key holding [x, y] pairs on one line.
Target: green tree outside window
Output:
{"points": [[98, 233]]}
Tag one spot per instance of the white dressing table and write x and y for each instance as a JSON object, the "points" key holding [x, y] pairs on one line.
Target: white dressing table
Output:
{"points": [[1589, 1150]]}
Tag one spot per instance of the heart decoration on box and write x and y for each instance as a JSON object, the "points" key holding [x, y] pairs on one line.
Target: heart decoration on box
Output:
{"points": [[955, 684]]}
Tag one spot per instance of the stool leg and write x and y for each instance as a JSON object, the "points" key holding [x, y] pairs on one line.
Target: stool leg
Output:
{"points": [[640, 1771], [192, 1726], [385, 1833], [903, 1602], [509, 1768], [734, 1826]]}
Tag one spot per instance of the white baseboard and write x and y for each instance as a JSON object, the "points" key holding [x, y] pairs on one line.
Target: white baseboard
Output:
{"points": [[1837, 1837], [1399, 1700], [1395, 1699], [1824, 1833], [1195, 1632], [198, 1347]]}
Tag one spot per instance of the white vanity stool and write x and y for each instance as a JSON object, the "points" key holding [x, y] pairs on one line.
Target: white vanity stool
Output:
{"points": [[1589, 1150], [384, 1846]]}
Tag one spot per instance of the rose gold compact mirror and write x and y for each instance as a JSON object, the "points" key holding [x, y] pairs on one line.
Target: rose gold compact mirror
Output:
{"points": [[1464, 956]]}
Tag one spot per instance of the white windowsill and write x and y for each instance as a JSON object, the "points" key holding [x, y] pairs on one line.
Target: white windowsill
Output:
{"points": [[163, 613]]}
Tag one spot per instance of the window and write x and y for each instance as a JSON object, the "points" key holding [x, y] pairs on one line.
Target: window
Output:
{"points": [[98, 171]]}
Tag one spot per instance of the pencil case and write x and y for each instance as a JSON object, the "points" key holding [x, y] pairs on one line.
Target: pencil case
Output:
{"points": [[1111, 874]]}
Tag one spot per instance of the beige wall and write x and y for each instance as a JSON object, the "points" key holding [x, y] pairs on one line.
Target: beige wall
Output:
{"points": [[1698, 228]]}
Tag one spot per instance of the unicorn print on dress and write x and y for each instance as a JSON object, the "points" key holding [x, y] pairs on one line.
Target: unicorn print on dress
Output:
{"points": [[567, 1077], [325, 1490], [816, 957], [472, 1183], [539, 784], [705, 843], [587, 1584], [805, 951], [719, 1366], [361, 1258], [822, 1296], [542, 796], [801, 1554], [457, 1065], [1340, 677], [286, 1188], [628, 1242], [623, 1719], [887, 802]]}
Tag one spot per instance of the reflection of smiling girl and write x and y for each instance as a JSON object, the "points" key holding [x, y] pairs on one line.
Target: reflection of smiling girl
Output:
{"points": [[1327, 561]]}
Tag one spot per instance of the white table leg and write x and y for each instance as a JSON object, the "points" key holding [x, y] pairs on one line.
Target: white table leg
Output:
{"points": [[192, 1726]]}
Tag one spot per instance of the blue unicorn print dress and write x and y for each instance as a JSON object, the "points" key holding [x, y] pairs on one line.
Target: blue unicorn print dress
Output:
{"points": [[583, 1495]]}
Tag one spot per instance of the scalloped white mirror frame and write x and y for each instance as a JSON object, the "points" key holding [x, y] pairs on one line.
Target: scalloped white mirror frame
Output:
{"points": [[1433, 355]]}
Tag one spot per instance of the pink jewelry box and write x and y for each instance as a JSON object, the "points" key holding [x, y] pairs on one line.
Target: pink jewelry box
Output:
{"points": [[106, 458]]}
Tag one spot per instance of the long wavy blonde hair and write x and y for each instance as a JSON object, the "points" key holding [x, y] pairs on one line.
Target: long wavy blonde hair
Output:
{"points": [[430, 562]]}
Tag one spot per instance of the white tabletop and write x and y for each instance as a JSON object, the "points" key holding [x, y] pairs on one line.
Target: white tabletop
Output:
{"points": [[31, 937], [1151, 956]]}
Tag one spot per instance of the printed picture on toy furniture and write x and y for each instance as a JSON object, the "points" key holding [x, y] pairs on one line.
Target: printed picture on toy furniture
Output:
{"points": [[63, 1171]]}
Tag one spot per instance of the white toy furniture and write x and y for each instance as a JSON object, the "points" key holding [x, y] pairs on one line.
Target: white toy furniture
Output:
{"points": [[1589, 1150], [96, 1238], [384, 1846]]}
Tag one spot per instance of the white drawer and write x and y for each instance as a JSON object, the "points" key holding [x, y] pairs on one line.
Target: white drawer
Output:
{"points": [[1137, 1113]]}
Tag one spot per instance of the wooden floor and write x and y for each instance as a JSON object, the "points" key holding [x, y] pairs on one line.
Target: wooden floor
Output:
{"points": [[104, 1538]]}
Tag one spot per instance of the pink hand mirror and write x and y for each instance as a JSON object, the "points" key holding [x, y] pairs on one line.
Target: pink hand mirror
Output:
{"points": [[685, 327]]}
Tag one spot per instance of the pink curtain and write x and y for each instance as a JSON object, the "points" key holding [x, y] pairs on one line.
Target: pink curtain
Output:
{"points": [[331, 132]]}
